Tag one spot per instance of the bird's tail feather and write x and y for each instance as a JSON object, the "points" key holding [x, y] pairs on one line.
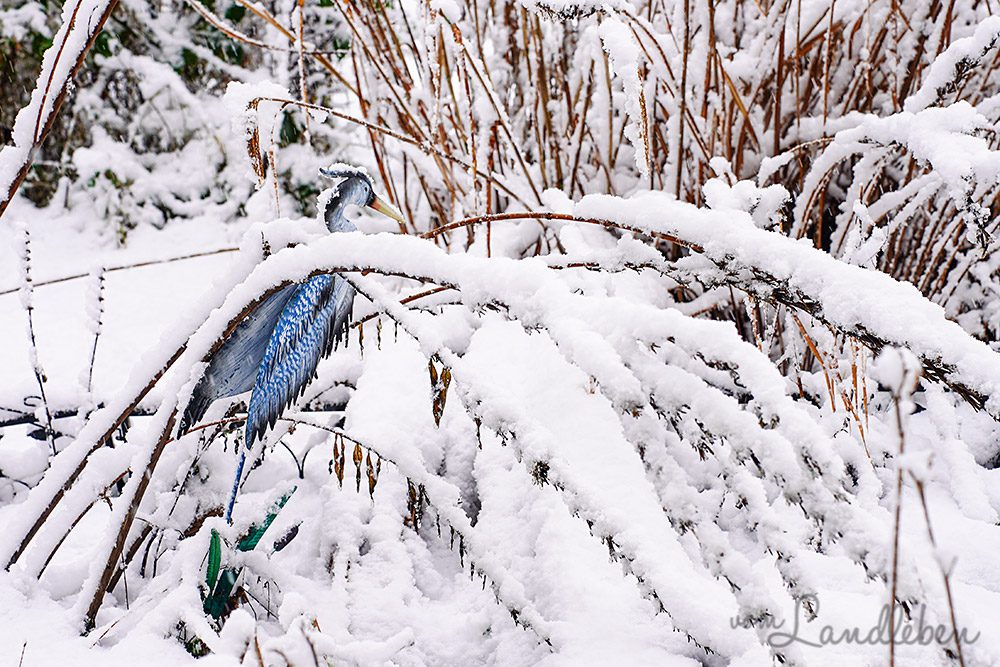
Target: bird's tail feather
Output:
{"points": [[195, 410]]}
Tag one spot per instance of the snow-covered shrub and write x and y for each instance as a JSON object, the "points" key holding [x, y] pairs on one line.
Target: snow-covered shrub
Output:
{"points": [[612, 393]]}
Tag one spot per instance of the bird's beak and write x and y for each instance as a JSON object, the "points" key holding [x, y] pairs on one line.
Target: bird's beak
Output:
{"points": [[387, 209]]}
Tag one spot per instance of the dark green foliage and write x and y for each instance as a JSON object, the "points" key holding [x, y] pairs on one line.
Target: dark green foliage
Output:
{"points": [[221, 587], [196, 647], [102, 44], [235, 13], [216, 603], [290, 132], [305, 194], [40, 44], [214, 559], [341, 46], [256, 532], [189, 65]]}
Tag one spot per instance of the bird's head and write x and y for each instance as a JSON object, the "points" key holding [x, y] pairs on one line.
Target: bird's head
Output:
{"points": [[355, 188]]}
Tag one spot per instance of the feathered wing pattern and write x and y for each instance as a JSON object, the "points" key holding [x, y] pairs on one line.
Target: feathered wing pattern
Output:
{"points": [[234, 367], [314, 319]]}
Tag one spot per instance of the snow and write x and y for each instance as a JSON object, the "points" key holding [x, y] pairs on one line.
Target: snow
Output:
{"points": [[624, 56], [57, 66], [241, 99], [941, 75], [656, 424], [499, 372], [850, 297]]}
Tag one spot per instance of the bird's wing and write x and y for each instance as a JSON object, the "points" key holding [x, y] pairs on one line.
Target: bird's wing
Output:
{"points": [[313, 320], [233, 368]]}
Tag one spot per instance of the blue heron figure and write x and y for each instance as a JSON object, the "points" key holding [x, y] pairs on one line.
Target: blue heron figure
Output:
{"points": [[275, 350]]}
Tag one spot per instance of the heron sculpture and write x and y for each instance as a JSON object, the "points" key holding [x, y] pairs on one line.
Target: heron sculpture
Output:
{"points": [[275, 350]]}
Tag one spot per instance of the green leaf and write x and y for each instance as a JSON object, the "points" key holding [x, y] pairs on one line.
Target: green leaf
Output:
{"points": [[102, 44], [215, 604], [290, 132], [189, 64], [341, 45], [39, 44], [214, 559], [256, 531], [196, 647], [231, 52]]}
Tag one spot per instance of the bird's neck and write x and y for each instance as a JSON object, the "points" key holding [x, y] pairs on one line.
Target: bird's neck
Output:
{"points": [[336, 201], [339, 223]]}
